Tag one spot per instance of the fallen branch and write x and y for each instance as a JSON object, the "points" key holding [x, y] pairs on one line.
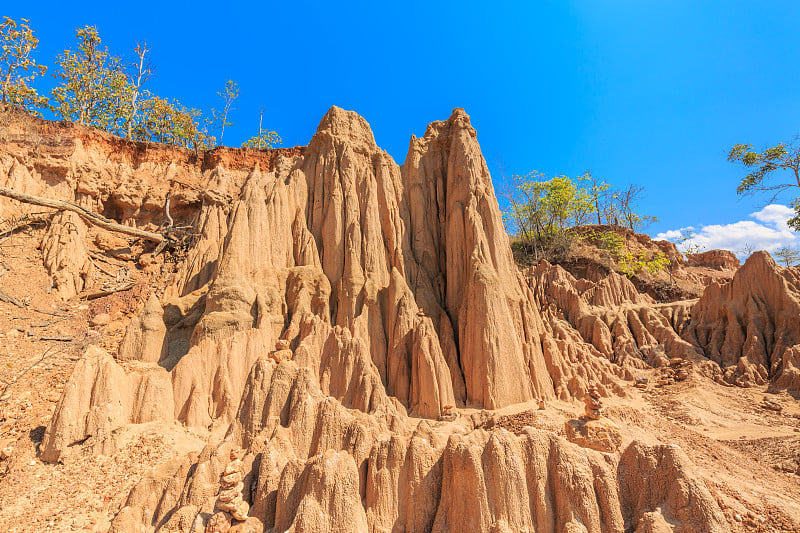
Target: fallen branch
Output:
{"points": [[52, 313], [50, 352], [104, 258], [103, 270], [62, 338], [85, 214], [48, 323], [10, 299], [109, 291], [20, 223], [173, 180]]}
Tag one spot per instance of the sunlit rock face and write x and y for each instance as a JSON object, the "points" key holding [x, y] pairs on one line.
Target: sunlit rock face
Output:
{"points": [[335, 317]]}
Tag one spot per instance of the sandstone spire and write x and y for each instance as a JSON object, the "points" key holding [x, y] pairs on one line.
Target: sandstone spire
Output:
{"points": [[338, 330]]}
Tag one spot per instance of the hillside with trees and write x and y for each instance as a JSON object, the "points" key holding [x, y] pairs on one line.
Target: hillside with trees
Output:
{"points": [[99, 89]]}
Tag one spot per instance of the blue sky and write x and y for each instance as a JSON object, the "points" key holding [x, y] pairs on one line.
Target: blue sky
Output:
{"points": [[651, 93]]}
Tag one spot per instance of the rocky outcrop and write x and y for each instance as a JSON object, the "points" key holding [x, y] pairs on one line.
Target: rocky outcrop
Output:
{"points": [[658, 480], [749, 325], [333, 253], [311, 461], [719, 259], [99, 398], [609, 318], [65, 254], [334, 319]]}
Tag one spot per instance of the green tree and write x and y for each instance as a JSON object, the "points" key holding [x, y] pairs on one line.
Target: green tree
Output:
{"points": [[170, 122], [219, 119], [543, 212], [599, 191], [632, 264], [762, 166], [789, 256], [264, 139], [18, 69], [94, 89], [688, 242]]}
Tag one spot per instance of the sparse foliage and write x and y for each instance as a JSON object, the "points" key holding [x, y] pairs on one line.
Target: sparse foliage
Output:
{"points": [[219, 119], [788, 256], [599, 191], [97, 89], [627, 201], [687, 241], [762, 165], [609, 241], [543, 214], [18, 69], [140, 74], [628, 262], [632, 264], [746, 250], [264, 139]]}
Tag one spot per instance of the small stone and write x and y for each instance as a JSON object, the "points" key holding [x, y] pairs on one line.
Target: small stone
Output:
{"points": [[542, 405], [229, 506], [281, 355], [100, 319], [219, 523], [237, 454], [108, 241], [593, 414], [233, 466], [232, 479], [282, 344], [601, 435], [230, 494], [772, 405], [251, 525], [6, 449], [675, 361], [242, 508]]}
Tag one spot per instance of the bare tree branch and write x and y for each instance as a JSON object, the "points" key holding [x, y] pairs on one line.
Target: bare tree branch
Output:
{"points": [[85, 214], [48, 353]]}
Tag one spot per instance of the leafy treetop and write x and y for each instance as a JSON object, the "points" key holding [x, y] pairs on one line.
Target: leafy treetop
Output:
{"points": [[94, 89], [17, 66], [762, 166]]}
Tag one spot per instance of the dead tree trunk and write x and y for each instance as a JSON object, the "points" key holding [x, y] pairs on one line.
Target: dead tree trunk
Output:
{"points": [[85, 214]]}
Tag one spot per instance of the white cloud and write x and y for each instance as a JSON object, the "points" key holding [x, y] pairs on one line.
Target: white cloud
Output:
{"points": [[769, 233], [775, 214]]}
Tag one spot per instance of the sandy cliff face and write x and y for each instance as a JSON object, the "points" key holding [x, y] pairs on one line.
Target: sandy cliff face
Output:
{"points": [[750, 324], [395, 286], [340, 323]]}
